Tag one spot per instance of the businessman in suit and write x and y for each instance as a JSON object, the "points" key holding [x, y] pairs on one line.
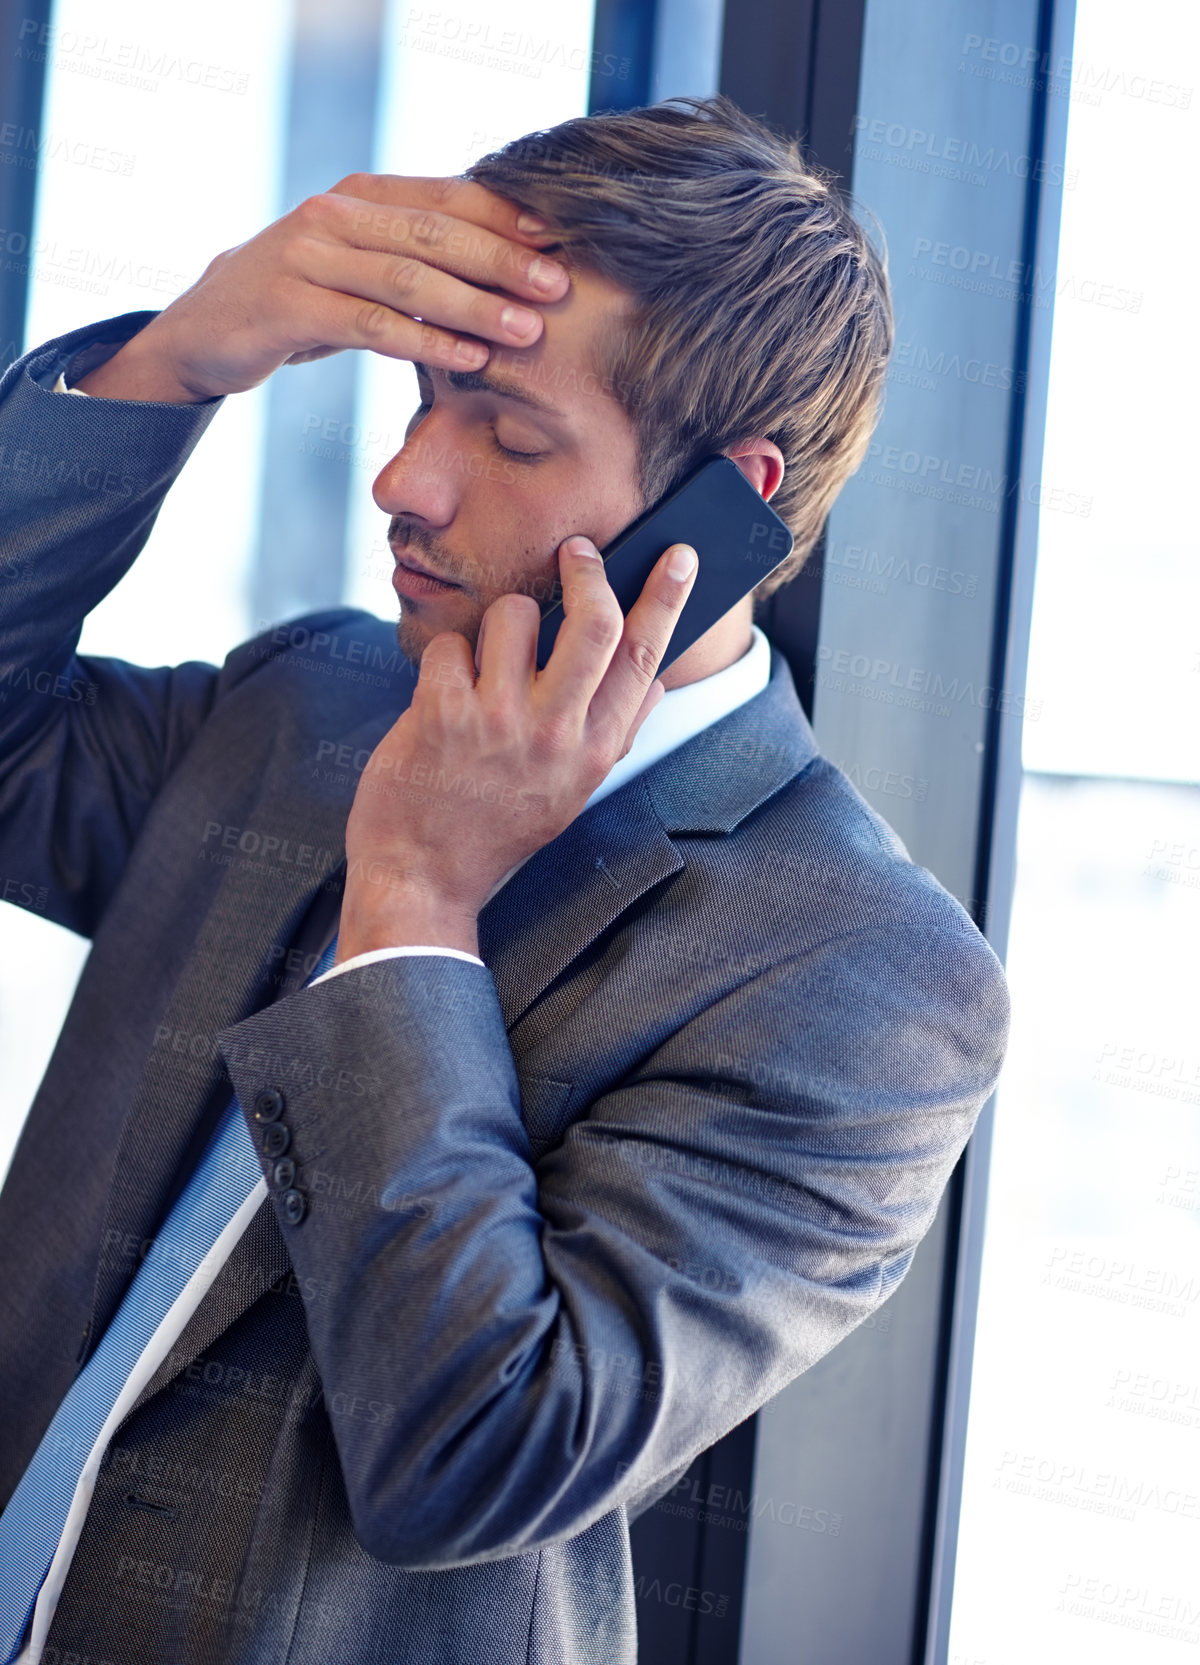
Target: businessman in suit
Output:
{"points": [[486, 1087]]}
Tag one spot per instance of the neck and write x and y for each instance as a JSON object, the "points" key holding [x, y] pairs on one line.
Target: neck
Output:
{"points": [[723, 645]]}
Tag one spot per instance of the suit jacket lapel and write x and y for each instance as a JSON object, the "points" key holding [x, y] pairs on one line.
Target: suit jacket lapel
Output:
{"points": [[560, 901], [550, 912], [258, 1261]]}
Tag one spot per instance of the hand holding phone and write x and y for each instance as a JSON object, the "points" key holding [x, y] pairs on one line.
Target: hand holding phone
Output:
{"points": [[737, 535]]}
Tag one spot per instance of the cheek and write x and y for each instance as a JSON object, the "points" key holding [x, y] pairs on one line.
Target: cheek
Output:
{"points": [[606, 496], [598, 502], [519, 525], [513, 556], [609, 513]]}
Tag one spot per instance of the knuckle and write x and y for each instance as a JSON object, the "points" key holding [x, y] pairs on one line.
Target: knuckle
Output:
{"points": [[302, 249], [501, 720], [602, 623], [442, 189], [643, 657], [312, 210], [374, 321], [404, 276], [352, 185], [557, 734], [427, 229], [441, 666]]}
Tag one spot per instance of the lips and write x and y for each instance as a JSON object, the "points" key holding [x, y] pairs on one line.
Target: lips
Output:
{"points": [[415, 583], [421, 571]]}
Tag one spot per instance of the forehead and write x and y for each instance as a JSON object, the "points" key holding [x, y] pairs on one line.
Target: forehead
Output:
{"points": [[568, 365]]}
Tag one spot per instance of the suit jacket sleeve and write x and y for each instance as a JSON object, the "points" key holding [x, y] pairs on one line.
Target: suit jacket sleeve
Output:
{"points": [[510, 1348], [85, 742]]}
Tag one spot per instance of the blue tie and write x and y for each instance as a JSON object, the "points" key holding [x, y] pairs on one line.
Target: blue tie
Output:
{"points": [[32, 1524]]}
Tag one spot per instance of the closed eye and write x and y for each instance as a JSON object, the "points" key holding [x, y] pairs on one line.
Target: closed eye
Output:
{"points": [[517, 456], [425, 382]]}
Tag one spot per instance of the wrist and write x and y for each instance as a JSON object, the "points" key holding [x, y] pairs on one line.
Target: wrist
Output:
{"points": [[402, 915], [142, 370]]}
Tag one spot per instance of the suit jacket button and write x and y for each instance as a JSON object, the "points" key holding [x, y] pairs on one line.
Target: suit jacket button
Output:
{"points": [[276, 1139], [294, 1207], [285, 1172], [268, 1106]]}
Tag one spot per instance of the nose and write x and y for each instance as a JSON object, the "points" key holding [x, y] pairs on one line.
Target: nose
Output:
{"points": [[420, 480]]}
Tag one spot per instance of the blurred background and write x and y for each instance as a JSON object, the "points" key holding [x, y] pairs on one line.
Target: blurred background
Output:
{"points": [[1006, 1460]]}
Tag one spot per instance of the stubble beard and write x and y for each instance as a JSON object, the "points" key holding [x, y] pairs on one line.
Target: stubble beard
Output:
{"points": [[412, 635]]}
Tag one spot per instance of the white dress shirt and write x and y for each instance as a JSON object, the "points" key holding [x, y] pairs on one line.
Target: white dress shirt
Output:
{"points": [[679, 714]]}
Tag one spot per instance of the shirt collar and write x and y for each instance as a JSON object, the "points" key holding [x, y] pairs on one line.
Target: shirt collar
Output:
{"points": [[686, 711], [681, 714]]}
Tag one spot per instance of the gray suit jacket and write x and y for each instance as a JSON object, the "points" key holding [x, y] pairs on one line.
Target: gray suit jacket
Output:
{"points": [[572, 1215]]}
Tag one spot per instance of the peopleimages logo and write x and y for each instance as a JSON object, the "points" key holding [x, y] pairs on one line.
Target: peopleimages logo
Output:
{"points": [[983, 271], [474, 40], [930, 475], [893, 683], [129, 63], [769, 544], [939, 154]]}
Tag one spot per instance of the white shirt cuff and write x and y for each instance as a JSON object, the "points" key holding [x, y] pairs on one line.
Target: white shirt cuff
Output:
{"points": [[60, 386], [373, 954]]}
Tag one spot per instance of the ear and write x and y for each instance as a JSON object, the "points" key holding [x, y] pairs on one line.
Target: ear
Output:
{"points": [[761, 461]]}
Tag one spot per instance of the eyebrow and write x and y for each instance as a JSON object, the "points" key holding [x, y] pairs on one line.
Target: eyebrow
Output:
{"points": [[478, 381]]}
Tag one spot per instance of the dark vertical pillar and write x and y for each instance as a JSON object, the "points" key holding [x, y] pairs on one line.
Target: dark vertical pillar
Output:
{"points": [[307, 466], [797, 66], [622, 54]]}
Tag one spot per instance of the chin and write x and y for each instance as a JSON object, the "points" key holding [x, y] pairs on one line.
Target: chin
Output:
{"points": [[413, 637]]}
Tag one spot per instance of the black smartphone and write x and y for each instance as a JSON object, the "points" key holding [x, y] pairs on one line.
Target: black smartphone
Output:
{"points": [[737, 535]]}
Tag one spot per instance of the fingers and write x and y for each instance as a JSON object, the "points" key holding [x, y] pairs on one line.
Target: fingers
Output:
{"points": [[588, 635], [421, 230], [506, 649], [446, 663], [600, 683], [409, 287], [461, 199], [321, 321], [619, 701], [392, 271], [653, 695]]}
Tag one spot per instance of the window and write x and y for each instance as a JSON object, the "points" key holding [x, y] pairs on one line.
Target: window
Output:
{"points": [[1082, 1490]]}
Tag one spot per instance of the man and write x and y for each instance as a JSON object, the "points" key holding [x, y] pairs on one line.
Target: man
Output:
{"points": [[355, 1321]]}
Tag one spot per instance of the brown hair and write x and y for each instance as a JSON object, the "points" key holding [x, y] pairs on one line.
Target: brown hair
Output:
{"points": [[761, 307]]}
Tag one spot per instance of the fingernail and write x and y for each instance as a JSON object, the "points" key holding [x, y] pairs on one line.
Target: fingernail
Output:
{"points": [[579, 545], [519, 320], [682, 562], [545, 274], [471, 352], [531, 223]]}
